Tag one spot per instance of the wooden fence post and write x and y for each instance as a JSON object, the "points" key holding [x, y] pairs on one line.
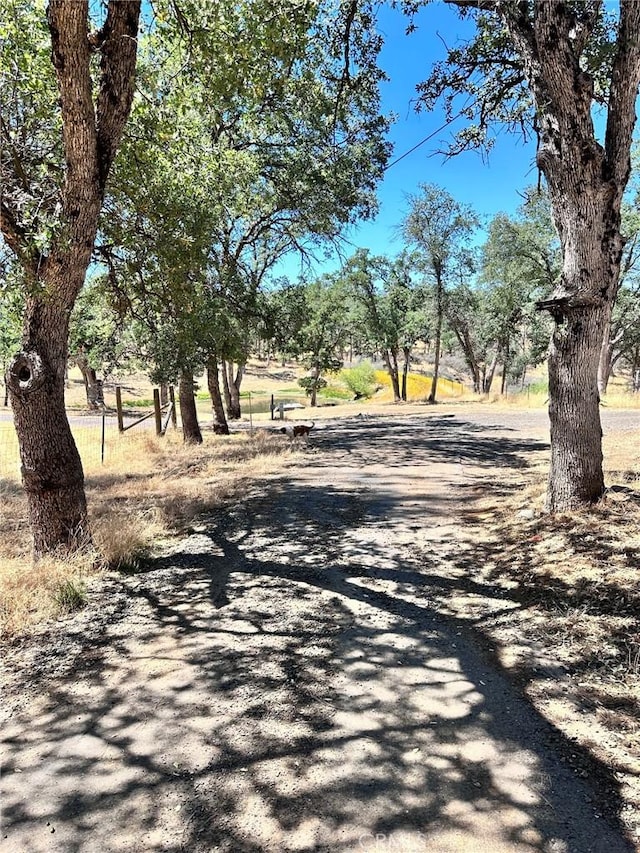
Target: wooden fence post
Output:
{"points": [[119, 408], [157, 411]]}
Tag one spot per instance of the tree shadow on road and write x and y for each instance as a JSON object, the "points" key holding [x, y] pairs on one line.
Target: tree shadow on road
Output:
{"points": [[288, 681]]}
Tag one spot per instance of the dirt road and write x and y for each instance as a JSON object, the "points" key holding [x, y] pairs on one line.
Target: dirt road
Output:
{"points": [[287, 679]]}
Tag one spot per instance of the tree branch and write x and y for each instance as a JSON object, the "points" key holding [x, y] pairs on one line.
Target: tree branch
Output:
{"points": [[625, 80], [17, 238], [70, 53], [119, 49], [345, 76], [585, 23]]}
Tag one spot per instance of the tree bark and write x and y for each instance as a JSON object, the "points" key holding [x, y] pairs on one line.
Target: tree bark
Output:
{"points": [[225, 386], [608, 357], [313, 396], [51, 468], [505, 368], [461, 331], [586, 183], [220, 425], [52, 472], [576, 474], [186, 395]]}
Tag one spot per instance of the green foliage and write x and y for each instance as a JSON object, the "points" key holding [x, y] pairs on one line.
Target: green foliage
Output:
{"points": [[11, 306], [361, 379], [283, 314], [521, 263], [320, 338], [440, 229], [246, 144], [483, 80], [32, 159], [97, 332], [334, 392], [311, 383]]}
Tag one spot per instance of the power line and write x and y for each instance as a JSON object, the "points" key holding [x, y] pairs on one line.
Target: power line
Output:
{"points": [[422, 142]]}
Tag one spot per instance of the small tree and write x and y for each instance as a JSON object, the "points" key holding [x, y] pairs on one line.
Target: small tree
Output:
{"points": [[360, 379], [520, 265], [320, 340], [387, 314], [440, 229]]}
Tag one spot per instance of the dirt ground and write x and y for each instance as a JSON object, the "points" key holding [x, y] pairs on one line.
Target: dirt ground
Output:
{"points": [[293, 676]]}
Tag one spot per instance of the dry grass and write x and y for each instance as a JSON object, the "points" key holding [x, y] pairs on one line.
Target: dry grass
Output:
{"points": [[153, 490], [418, 387], [31, 593]]}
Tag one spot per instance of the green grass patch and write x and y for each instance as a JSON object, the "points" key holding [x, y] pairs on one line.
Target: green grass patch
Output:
{"points": [[540, 386], [70, 595], [137, 404]]}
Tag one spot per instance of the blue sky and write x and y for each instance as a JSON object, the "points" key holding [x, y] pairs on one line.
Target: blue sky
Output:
{"points": [[489, 187]]}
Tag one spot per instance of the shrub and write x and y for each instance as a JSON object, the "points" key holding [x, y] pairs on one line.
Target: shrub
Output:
{"points": [[335, 392], [361, 380]]}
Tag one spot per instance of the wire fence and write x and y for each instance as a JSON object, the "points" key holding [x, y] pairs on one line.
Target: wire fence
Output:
{"points": [[97, 438]]}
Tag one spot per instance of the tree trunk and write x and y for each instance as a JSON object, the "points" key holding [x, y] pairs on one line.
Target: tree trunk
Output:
{"points": [[234, 389], [391, 361], [588, 224], [438, 341], [605, 365], [589, 227], [92, 388], [220, 425], [186, 394], [576, 474], [608, 357], [52, 472], [231, 386], [225, 385], [488, 381], [91, 130], [164, 393], [586, 181], [505, 368], [313, 396], [405, 372], [464, 339]]}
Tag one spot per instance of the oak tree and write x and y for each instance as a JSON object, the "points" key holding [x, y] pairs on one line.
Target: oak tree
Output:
{"points": [[548, 67], [67, 91]]}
